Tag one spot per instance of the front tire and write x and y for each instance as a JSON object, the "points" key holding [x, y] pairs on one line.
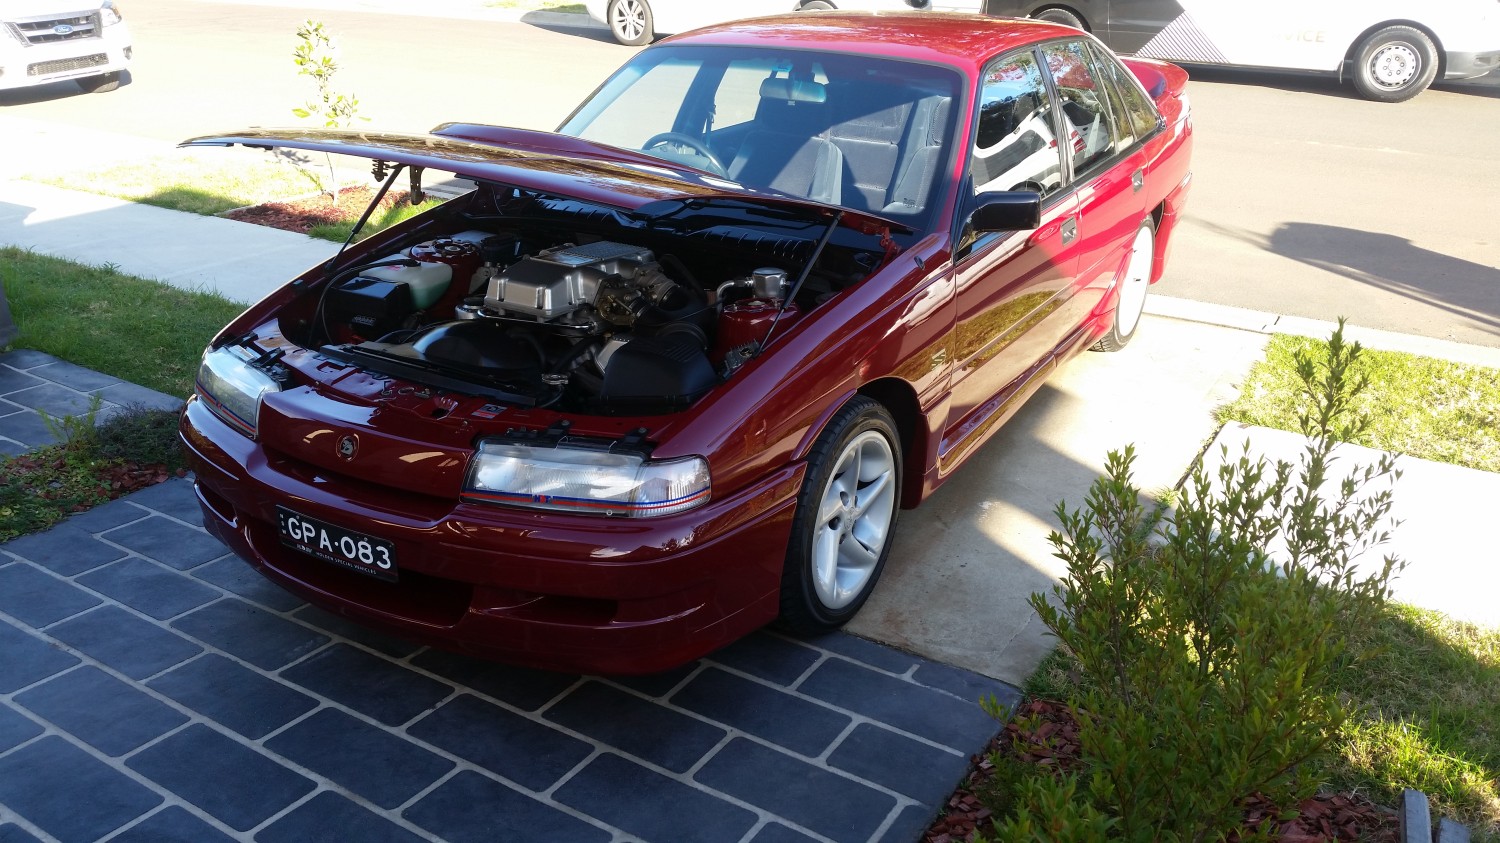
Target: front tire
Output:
{"points": [[631, 22], [1134, 282], [845, 521], [1395, 64], [815, 6], [1062, 16], [101, 84]]}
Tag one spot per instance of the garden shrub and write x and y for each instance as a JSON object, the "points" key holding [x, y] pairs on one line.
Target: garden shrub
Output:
{"points": [[139, 434], [1207, 634]]}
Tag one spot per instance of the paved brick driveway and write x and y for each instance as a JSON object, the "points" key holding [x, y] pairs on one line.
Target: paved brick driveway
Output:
{"points": [[153, 688]]}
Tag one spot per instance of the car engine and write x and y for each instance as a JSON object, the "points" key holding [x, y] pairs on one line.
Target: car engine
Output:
{"points": [[597, 326]]}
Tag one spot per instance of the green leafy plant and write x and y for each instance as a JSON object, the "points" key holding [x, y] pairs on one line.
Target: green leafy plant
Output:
{"points": [[1208, 636], [1051, 810], [316, 56], [75, 433]]}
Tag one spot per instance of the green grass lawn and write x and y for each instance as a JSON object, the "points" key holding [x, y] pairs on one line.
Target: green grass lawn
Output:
{"points": [[1427, 716], [1428, 408], [140, 331], [212, 181], [381, 220]]}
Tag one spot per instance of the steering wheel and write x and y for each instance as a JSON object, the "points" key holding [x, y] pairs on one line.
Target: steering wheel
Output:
{"points": [[695, 144]]}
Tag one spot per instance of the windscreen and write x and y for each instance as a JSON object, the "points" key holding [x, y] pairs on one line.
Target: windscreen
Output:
{"points": [[868, 134]]}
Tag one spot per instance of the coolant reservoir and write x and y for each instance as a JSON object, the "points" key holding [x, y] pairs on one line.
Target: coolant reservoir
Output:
{"points": [[430, 278], [427, 281]]}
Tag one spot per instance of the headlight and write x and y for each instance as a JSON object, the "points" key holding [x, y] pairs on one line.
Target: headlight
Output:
{"points": [[232, 388], [110, 14], [580, 480]]}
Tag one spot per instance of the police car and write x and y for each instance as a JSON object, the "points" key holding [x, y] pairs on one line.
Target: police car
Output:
{"points": [[1391, 50]]}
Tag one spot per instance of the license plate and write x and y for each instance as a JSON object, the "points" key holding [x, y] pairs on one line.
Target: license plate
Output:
{"points": [[346, 548]]}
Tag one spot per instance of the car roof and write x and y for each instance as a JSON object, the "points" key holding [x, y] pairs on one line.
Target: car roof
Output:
{"points": [[962, 40]]}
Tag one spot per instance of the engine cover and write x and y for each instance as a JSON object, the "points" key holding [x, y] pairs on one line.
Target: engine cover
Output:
{"points": [[557, 282]]}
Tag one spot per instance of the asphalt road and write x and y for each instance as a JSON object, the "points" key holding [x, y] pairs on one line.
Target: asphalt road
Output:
{"points": [[1307, 201]]}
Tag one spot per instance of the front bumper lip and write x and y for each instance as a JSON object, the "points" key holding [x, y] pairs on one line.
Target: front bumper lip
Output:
{"points": [[565, 593], [1458, 65], [16, 59]]}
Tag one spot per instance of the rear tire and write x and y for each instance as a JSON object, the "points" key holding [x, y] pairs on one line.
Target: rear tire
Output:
{"points": [[1395, 64], [1065, 17], [815, 6], [101, 84], [631, 22], [845, 521], [1134, 282]]}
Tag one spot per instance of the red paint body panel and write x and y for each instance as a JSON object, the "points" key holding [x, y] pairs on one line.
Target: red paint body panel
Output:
{"points": [[582, 592]]}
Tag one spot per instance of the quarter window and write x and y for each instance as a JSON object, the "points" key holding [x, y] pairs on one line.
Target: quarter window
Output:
{"points": [[1143, 116], [1016, 147], [1085, 105]]}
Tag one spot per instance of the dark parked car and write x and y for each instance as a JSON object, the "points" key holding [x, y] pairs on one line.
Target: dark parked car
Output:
{"points": [[671, 373]]}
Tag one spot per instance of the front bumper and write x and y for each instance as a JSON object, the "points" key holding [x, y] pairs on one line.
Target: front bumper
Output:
{"points": [[1468, 65], [41, 64], [554, 591]]}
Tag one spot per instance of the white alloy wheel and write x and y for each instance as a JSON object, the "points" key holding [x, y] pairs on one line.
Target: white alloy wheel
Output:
{"points": [[1133, 285], [845, 520], [854, 520], [631, 22]]}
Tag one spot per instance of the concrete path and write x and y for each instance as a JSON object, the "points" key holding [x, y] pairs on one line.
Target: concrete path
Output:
{"points": [[239, 261], [966, 560], [1441, 510]]}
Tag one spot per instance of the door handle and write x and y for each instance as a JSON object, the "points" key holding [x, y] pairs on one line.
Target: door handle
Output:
{"points": [[1069, 231], [1137, 181]]}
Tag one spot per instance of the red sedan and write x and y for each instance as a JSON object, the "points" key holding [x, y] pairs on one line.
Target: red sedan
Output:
{"points": [[670, 374]]}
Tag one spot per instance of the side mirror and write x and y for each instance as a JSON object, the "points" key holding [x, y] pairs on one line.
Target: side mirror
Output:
{"points": [[1016, 210]]}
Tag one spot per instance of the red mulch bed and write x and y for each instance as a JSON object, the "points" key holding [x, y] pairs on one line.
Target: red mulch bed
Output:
{"points": [[1053, 742], [116, 480], [300, 215]]}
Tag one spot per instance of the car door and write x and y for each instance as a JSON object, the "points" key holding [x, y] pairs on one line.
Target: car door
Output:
{"points": [[1129, 24], [1107, 171], [1010, 285]]}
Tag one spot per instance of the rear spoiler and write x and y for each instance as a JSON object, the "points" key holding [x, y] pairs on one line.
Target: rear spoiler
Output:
{"points": [[1161, 79]]}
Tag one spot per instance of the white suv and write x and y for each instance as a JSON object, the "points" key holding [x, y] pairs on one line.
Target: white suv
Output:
{"points": [[45, 41]]}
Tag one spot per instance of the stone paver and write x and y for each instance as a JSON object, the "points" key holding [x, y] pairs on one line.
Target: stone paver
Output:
{"points": [[32, 380], [195, 701], [204, 712]]}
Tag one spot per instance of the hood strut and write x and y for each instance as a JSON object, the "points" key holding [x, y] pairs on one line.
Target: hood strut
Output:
{"points": [[378, 170], [791, 295]]}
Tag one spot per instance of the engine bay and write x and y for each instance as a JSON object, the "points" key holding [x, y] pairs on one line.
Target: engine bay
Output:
{"points": [[612, 319]]}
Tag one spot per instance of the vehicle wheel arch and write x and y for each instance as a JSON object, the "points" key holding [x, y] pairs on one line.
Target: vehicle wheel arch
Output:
{"points": [[900, 400], [1442, 56], [1063, 7]]}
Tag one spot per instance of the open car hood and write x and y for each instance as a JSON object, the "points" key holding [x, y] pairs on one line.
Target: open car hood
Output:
{"points": [[561, 165]]}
